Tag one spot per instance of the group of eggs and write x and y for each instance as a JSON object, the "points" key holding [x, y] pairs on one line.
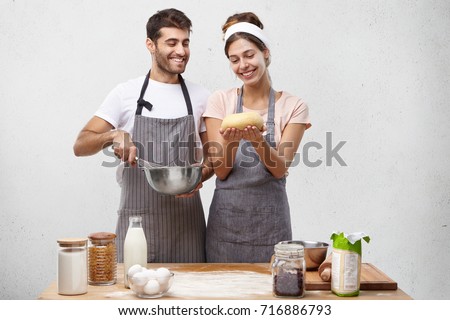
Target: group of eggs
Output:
{"points": [[149, 281]]}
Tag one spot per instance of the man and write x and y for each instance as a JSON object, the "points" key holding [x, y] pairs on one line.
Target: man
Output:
{"points": [[144, 117]]}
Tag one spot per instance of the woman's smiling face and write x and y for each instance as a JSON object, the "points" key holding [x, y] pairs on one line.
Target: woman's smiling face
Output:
{"points": [[247, 61]]}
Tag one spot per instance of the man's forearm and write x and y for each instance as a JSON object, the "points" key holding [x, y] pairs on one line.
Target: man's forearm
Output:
{"points": [[90, 142]]}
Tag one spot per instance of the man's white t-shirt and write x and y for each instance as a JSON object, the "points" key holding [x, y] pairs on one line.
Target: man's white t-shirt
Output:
{"points": [[119, 107]]}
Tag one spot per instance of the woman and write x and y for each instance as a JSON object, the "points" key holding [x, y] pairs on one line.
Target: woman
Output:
{"points": [[249, 212]]}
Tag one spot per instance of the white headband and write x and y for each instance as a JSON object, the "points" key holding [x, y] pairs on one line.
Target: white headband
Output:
{"points": [[247, 28]]}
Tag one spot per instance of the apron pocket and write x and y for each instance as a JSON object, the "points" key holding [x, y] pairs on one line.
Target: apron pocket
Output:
{"points": [[250, 225]]}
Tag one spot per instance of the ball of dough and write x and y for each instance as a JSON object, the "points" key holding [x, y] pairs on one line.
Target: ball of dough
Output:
{"points": [[242, 120]]}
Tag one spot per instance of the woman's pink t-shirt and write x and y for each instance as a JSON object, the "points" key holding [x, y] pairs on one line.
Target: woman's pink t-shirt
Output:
{"points": [[288, 109]]}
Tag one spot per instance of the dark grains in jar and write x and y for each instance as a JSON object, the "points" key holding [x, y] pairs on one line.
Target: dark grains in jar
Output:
{"points": [[288, 283]]}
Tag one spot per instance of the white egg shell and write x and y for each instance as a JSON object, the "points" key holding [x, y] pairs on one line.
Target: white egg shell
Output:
{"points": [[133, 270], [139, 279], [163, 281], [138, 289], [152, 287], [150, 274], [162, 272], [164, 285]]}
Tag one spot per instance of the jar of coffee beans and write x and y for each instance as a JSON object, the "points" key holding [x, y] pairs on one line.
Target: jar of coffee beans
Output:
{"points": [[288, 270]]}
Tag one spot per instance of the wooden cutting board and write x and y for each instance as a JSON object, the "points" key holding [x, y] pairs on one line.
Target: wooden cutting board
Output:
{"points": [[371, 279]]}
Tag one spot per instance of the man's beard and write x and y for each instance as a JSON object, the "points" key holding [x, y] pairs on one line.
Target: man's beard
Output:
{"points": [[164, 64]]}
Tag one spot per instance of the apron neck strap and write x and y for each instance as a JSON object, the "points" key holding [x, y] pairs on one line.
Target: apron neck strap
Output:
{"points": [[187, 99], [141, 103]]}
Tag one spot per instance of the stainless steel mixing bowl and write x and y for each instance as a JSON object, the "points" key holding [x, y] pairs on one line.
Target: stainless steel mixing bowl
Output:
{"points": [[315, 252], [173, 180]]}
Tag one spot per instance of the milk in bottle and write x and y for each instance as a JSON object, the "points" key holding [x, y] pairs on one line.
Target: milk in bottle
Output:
{"points": [[135, 247]]}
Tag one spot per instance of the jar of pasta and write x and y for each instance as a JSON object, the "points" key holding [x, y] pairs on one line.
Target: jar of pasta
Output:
{"points": [[102, 259]]}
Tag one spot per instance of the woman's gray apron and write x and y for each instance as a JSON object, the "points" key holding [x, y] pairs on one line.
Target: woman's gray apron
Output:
{"points": [[249, 212], [174, 227]]}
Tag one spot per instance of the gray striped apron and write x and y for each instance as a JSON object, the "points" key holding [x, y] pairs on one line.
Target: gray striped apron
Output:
{"points": [[249, 212], [174, 227]]}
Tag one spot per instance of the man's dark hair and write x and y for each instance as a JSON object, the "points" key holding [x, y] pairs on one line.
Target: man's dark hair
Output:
{"points": [[167, 18]]}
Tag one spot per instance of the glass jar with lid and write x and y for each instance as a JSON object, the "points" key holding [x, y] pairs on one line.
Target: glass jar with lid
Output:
{"points": [[288, 270], [102, 259], [72, 266]]}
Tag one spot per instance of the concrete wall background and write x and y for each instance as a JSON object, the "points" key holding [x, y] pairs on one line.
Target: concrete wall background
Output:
{"points": [[375, 74]]}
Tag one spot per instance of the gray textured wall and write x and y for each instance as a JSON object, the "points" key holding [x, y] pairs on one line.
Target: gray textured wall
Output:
{"points": [[375, 74]]}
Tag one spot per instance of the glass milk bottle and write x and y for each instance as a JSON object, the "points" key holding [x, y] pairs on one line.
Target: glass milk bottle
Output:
{"points": [[134, 247], [72, 266]]}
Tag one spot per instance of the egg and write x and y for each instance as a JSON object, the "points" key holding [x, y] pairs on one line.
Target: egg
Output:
{"points": [[137, 289], [162, 272], [163, 285], [139, 279], [163, 276], [133, 270], [152, 287], [150, 274]]}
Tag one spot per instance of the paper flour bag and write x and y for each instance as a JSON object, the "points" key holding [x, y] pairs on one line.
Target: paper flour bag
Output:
{"points": [[346, 263]]}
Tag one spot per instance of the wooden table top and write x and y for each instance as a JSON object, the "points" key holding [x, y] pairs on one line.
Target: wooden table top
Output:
{"points": [[235, 281]]}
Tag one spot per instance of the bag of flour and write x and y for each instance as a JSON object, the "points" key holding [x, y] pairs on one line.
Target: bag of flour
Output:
{"points": [[346, 263]]}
